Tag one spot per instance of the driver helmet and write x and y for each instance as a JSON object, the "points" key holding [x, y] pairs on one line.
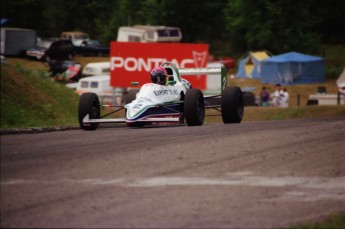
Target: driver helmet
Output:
{"points": [[159, 75]]}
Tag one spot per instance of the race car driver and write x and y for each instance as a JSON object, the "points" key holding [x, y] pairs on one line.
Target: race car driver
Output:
{"points": [[159, 75]]}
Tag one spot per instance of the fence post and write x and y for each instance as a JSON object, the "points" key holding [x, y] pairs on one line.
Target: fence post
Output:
{"points": [[298, 99]]}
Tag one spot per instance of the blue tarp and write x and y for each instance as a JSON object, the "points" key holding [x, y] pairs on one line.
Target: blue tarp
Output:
{"points": [[293, 68]]}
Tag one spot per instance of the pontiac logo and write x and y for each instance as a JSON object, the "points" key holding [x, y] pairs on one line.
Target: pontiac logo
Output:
{"points": [[199, 59]]}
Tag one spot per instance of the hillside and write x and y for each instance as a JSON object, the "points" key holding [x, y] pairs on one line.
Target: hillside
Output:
{"points": [[29, 99]]}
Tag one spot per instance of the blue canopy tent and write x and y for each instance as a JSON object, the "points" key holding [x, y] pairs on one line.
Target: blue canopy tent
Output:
{"points": [[293, 68]]}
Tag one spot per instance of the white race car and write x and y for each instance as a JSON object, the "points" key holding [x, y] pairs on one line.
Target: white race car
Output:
{"points": [[176, 102]]}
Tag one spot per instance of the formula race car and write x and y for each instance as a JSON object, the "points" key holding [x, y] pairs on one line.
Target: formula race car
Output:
{"points": [[176, 102]]}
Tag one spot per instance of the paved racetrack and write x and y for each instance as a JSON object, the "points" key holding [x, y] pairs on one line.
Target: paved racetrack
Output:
{"points": [[248, 175]]}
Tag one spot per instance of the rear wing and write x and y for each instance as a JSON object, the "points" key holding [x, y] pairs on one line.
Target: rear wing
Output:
{"points": [[216, 71]]}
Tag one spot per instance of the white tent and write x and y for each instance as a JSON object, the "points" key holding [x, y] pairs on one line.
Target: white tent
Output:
{"points": [[341, 79]]}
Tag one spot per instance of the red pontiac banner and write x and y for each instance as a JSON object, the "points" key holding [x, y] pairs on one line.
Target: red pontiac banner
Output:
{"points": [[133, 62]]}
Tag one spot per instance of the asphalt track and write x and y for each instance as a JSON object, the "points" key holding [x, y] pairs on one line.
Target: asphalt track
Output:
{"points": [[248, 175]]}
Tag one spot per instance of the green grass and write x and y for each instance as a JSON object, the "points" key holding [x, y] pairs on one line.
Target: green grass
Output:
{"points": [[274, 113], [332, 221], [30, 99]]}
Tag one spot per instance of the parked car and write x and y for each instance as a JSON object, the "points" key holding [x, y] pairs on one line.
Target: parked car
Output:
{"points": [[92, 48], [49, 49]]}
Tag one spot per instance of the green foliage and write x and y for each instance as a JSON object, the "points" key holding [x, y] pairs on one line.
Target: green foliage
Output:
{"points": [[278, 26], [230, 27], [333, 71], [335, 60]]}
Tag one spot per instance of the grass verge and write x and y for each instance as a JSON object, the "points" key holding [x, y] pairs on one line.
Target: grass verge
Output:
{"points": [[30, 99], [333, 221]]}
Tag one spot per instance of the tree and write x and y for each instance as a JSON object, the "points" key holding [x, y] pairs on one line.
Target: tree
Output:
{"points": [[277, 26], [238, 25], [20, 13]]}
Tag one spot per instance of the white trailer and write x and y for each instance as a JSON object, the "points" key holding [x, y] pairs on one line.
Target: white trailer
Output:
{"points": [[148, 33]]}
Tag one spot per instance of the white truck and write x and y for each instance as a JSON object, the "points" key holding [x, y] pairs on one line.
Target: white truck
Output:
{"points": [[76, 37], [149, 33]]}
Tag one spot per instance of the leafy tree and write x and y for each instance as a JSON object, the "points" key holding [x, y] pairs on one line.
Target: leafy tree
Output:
{"points": [[20, 13], [230, 26], [277, 26], [329, 20]]}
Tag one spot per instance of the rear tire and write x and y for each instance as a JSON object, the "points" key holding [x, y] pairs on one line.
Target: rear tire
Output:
{"points": [[88, 105], [232, 105], [194, 107]]}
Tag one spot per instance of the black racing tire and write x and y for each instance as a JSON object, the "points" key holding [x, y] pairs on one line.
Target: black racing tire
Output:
{"points": [[131, 95], [232, 105], [88, 104], [194, 107]]}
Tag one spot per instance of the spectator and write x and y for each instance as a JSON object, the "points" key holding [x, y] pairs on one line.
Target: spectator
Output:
{"points": [[284, 102], [265, 97], [277, 96]]}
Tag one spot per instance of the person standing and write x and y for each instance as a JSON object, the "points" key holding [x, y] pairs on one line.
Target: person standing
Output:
{"points": [[265, 97], [284, 102]]}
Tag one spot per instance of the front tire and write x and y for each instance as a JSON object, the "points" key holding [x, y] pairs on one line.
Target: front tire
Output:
{"points": [[88, 105], [194, 107], [232, 105]]}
